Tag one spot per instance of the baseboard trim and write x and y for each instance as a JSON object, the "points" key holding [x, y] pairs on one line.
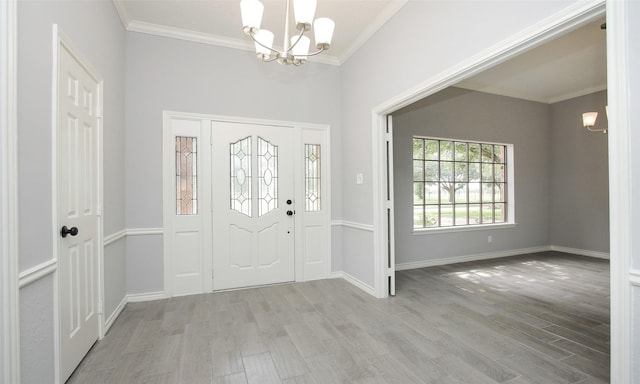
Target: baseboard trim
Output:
{"points": [[581, 252], [114, 316], [497, 255], [466, 258], [354, 281], [139, 297]]}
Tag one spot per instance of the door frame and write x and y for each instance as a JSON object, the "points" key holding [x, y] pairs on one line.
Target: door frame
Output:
{"points": [[60, 40], [623, 278], [9, 323], [300, 128]]}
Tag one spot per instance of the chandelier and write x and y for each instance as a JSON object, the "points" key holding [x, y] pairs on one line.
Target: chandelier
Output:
{"points": [[296, 48]]}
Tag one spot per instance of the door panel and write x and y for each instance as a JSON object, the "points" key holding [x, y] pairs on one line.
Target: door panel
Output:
{"points": [[252, 178], [78, 132]]}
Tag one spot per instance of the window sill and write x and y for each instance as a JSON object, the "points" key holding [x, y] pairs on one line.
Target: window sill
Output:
{"points": [[466, 228]]}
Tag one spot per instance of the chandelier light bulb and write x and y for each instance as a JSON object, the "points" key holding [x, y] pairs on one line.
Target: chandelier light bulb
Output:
{"points": [[589, 119], [264, 43], [303, 12], [301, 49], [323, 28], [251, 11]]}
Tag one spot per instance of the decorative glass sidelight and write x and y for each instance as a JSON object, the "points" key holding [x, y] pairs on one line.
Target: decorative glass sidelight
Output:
{"points": [[312, 177], [267, 177], [240, 154], [186, 176]]}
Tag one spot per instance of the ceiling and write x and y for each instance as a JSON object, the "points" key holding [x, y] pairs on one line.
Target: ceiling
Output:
{"points": [[570, 66], [219, 22]]}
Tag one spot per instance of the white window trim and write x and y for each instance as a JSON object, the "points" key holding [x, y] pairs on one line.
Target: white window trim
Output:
{"points": [[511, 195]]}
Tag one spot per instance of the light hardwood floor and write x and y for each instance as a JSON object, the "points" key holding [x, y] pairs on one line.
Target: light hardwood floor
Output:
{"points": [[540, 318]]}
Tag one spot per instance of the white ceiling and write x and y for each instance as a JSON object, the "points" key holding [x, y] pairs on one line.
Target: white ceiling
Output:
{"points": [[570, 66], [219, 22]]}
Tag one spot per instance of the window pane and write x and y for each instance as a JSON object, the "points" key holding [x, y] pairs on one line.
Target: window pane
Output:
{"points": [[418, 170], [418, 149], [240, 154], [312, 177], [474, 192], [431, 213], [431, 193], [461, 151], [487, 213], [500, 213], [474, 172], [500, 190], [267, 177], [431, 150], [418, 193], [418, 216], [446, 215], [487, 192], [461, 193], [498, 153], [499, 173], [487, 172], [474, 214], [461, 214], [432, 171], [474, 152], [446, 150], [446, 171], [487, 153], [461, 171], [446, 192], [186, 175]]}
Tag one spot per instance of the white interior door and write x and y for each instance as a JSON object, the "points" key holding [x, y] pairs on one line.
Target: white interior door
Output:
{"points": [[253, 204], [78, 131]]}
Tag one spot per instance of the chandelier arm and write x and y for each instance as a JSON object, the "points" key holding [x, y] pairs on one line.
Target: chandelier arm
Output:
{"points": [[262, 45], [319, 51], [297, 40]]}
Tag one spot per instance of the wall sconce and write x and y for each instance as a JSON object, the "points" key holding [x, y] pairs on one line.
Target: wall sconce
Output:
{"points": [[589, 121]]}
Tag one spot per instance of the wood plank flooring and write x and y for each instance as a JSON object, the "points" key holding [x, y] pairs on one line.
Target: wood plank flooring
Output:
{"points": [[540, 318]]}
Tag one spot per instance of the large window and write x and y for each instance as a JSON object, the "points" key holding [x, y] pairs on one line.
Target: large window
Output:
{"points": [[459, 183]]}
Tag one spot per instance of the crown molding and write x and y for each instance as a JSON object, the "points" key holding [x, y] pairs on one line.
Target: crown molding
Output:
{"points": [[124, 14], [207, 38], [372, 28], [526, 96]]}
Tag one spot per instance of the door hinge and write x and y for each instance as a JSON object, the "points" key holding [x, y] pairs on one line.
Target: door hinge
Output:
{"points": [[389, 204], [390, 271], [100, 311], [387, 137]]}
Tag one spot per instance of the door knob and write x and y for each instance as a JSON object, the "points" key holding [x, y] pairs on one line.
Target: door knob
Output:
{"points": [[290, 213], [68, 231]]}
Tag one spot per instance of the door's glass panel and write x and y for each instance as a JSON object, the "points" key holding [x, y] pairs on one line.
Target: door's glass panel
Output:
{"points": [[312, 177], [267, 177], [241, 176], [186, 176]]}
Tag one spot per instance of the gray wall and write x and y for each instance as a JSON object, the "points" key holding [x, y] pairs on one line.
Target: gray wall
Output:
{"points": [[393, 61], [95, 29], [176, 75], [475, 116], [579, 194]]}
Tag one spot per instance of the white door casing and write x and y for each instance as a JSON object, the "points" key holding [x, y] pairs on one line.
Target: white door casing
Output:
{"points": [[312, 243], [78, 171], [189, 270], [253, 227]]}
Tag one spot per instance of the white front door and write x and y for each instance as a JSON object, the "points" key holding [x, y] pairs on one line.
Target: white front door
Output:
{"points": [[253, 204], [78, 131]]}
